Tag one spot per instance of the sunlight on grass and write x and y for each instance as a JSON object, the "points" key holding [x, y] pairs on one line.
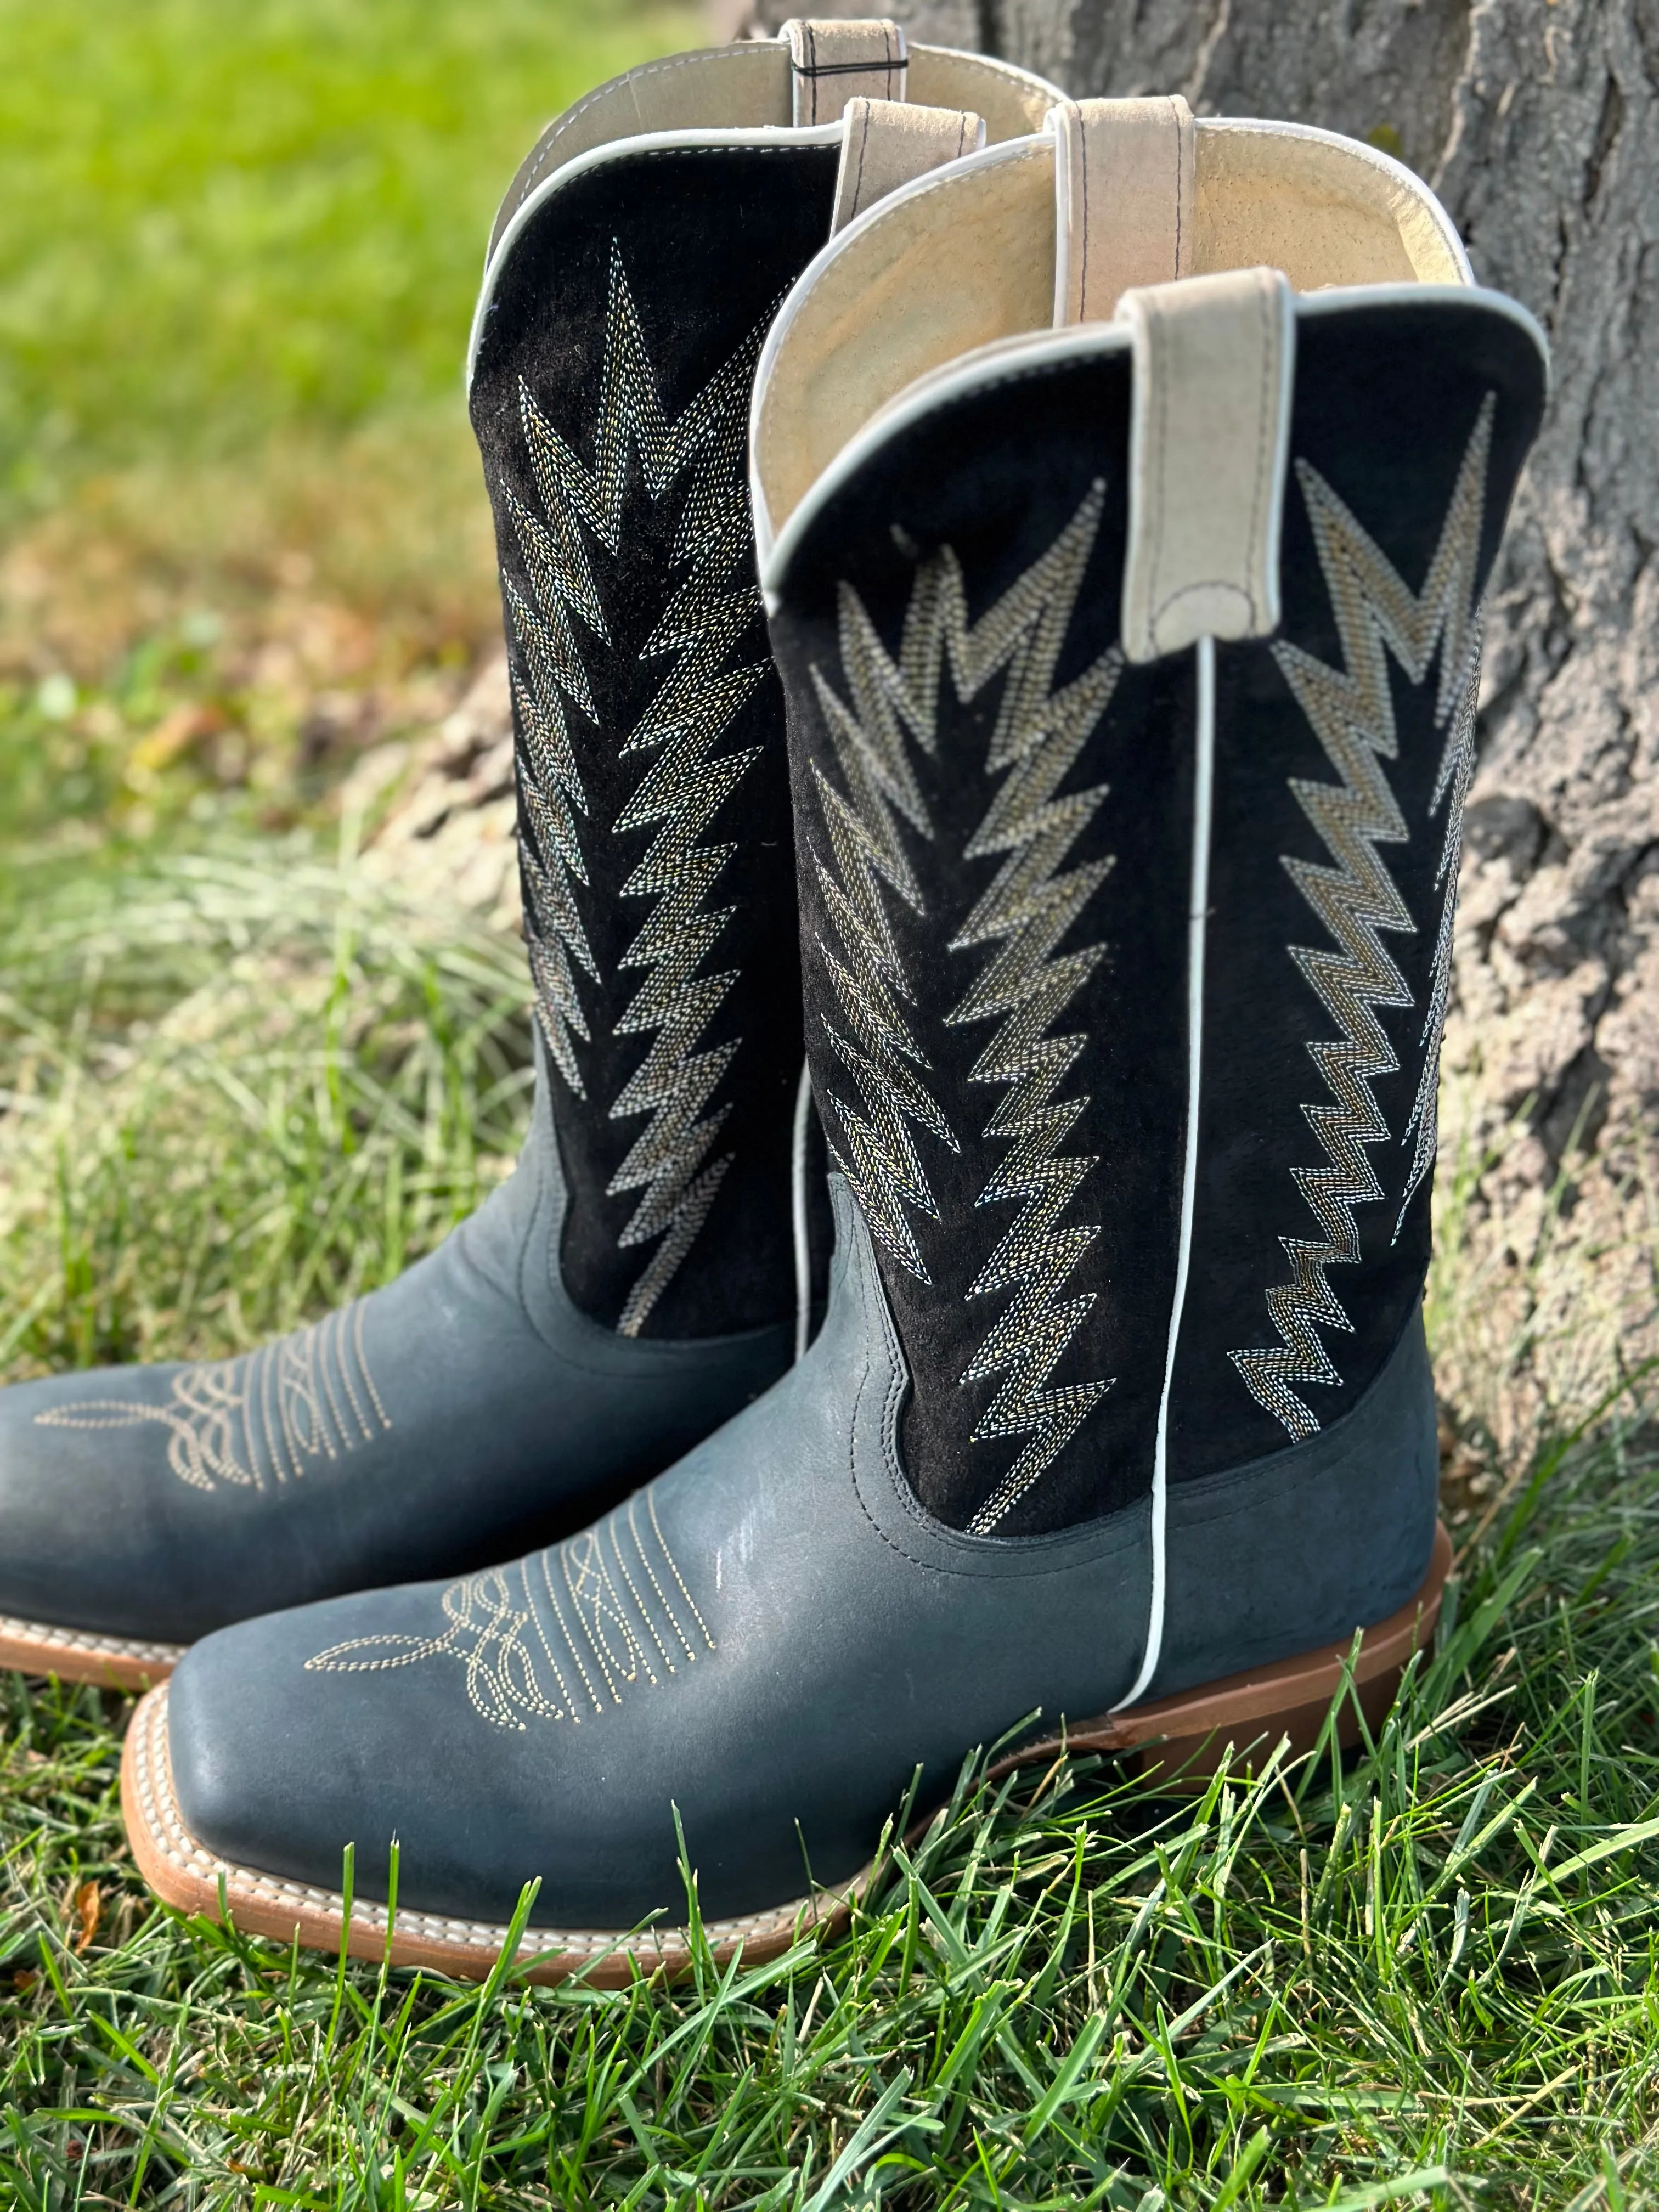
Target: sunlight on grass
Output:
{"points": [[239, 1090], [218, 221], [241, 1082]]}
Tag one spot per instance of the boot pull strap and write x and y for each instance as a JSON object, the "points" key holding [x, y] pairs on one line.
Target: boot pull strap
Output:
{"points": [[1209, 444], [1123, 200], [889, 142], [831, 61]]}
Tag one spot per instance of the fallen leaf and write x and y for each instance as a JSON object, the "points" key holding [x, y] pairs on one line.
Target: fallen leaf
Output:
{"points": [[87, 1911]]}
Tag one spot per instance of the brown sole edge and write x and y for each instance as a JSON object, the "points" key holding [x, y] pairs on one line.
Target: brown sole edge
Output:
{"points": [[81, 1655], [1182, 1735]]}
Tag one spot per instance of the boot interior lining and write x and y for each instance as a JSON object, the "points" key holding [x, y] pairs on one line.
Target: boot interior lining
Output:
{"points": [[747, 87], [966, 260]]}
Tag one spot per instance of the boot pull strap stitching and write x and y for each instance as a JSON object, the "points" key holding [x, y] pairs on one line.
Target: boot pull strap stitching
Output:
{"points": [[832, 62]]}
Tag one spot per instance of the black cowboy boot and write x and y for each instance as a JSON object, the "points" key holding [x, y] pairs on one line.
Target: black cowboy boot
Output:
{"points": [[1131, 672], [634, 1284]]}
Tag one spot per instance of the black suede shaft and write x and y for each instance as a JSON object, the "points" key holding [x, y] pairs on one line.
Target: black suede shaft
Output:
{"points": [[996, 955], [609, 398]]}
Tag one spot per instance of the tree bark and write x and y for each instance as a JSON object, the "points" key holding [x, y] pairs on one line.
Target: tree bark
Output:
{"points": [[1535, 121]]}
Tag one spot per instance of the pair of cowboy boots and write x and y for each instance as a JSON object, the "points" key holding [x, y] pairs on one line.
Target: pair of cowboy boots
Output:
{"points": [[1084, 805]]}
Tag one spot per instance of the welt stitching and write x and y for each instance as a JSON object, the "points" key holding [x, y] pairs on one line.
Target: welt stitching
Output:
{"points": [[64, 1639], [177, 1844]]}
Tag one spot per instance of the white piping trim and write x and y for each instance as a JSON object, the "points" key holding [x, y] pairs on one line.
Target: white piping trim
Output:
{"points": [[1197, 923], [797, 1212], [1407, 181], [616, 150]]}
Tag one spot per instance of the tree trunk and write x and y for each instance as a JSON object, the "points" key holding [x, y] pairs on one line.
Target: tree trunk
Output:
{"points": [[1534, 120]]}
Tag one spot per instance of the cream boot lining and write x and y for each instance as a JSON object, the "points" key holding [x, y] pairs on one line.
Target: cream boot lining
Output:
{"points": [[967, 257], [750, 86]]}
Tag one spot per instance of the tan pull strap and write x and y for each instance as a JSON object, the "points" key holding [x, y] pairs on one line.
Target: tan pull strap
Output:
{"points": [[889, 142], [1209, 441], [1123, 195], [832, 62]]}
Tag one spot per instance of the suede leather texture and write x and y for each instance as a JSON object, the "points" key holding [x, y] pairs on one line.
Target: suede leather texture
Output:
{"points": [[771, 1639], [464, 1411], [983, 486], [623, 317]]}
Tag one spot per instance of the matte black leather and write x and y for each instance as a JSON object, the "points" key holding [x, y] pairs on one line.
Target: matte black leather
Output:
{"points": [[773, 1632], [994, 823], [464, 1410], [624, 312]]}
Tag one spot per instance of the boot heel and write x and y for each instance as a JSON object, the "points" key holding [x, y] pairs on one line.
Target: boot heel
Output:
{"points": [[1185, 1738]]}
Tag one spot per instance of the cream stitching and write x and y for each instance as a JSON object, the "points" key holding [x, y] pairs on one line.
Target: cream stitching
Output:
{"points": [[363, 1362], [570, 1641], [167, 1832], [702, 624], [622, 1567], [486, 1631], [76, 1639], [220, 1409], [1350, 709], [661, 1597], [558, 1671], [673, 1568]]}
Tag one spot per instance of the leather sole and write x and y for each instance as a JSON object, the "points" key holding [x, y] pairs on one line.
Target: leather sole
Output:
{"points": [[81, 1655], [1183, 1737]]}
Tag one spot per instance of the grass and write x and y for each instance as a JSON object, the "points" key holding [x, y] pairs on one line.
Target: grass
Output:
{"points": [[1427, 1975], [239, 247], [239, 1082], [244, 1085]]}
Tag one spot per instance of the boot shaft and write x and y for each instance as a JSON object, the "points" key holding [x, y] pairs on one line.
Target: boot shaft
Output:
{"points": [[637, 261], [1127, 949]]}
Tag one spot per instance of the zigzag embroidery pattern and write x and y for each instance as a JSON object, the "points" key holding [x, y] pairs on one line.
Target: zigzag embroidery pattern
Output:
{"points": [[682, 789], [1028, 909], [1351, 710]]}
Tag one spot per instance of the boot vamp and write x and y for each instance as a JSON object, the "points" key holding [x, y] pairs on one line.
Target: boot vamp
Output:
{"points": [[769, 1639], [439, 1423]]}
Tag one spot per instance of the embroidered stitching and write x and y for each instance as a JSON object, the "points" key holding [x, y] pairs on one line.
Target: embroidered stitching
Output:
{"points": [[1456, 772], [272, 1413], [685, 784], [1351, 710], [1028, 909], [508, 1651]]}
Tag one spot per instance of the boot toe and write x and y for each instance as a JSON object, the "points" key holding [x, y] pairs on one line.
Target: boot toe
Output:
{"points": [[83, 1475]]}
